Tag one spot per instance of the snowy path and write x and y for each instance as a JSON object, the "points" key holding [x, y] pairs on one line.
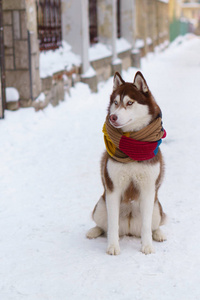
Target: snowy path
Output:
{"points": [[50, 182]]}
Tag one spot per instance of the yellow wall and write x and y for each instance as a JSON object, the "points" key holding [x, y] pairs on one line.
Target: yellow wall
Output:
{"points": [[192, 14], [174, 9]]}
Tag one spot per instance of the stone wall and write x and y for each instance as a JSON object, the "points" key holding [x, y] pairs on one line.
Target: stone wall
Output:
{"points": [[105, 29], [128, 20], [72, 24], [103, 68], [151, 22], [21, 52]]}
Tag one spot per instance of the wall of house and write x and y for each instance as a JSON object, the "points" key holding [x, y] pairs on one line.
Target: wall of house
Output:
{"points": [[178, 25], [163, 21], [105, 27], [72, 24], [139, 19], [192, 13], [152, 23], [128, 20], [21, 52], [31, 15]]}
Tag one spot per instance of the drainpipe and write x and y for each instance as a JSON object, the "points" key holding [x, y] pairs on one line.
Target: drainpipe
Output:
{"points": [[85, 36], [2, 66], [30, 65]]}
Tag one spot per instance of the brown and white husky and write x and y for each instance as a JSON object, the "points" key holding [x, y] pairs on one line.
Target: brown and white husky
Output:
{"points": [[129, 204]]}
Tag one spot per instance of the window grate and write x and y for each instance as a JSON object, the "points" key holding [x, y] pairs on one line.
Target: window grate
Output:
{"points": [[49, 24], [93, 21]]}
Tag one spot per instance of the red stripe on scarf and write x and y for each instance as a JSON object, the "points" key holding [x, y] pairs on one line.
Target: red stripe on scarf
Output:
{"points": [[137, 150]]}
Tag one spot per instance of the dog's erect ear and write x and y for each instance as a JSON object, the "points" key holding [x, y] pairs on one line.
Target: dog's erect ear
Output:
{"points": [[117, 81], [140, 82]]}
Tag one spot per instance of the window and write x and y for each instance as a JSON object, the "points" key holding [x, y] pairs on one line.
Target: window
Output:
{"points": [[93, 28], [49, 23]]}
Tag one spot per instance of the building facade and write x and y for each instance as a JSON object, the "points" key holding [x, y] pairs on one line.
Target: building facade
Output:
{"points": [[191, 12], [105, 35]]}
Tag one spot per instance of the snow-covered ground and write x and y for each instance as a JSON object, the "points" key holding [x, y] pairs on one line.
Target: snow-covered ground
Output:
{"points": [[50, 182]]}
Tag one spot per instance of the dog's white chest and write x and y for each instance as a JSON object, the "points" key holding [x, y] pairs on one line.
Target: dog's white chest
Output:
{"points": [[142, 174]]}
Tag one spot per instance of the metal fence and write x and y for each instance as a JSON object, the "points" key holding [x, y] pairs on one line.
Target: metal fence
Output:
{"points": [[180, 27], [49, 24]]}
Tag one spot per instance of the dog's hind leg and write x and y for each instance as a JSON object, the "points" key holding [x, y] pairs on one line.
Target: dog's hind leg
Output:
{"points": [[94, 232], [99, 216], [159, 218], [158, 235]]}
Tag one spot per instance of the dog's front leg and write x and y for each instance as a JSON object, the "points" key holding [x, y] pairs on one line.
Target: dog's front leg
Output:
{"points": [[146, 208], [113, 204]]}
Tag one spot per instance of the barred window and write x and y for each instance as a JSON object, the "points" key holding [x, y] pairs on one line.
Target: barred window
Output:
{"points": [[93, 30], [49, 23]]}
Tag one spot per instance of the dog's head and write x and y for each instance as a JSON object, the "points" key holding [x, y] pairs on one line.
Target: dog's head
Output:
{"points": [[132, 106]]}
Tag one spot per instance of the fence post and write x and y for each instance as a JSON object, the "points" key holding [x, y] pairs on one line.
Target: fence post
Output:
{"points": [[2, 66]]}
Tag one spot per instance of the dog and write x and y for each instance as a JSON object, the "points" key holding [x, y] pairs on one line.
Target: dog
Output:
{"points": [[129, 204]]}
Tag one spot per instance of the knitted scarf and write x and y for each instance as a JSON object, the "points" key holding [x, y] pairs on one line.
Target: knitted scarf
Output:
{"points": [[137, 145]]}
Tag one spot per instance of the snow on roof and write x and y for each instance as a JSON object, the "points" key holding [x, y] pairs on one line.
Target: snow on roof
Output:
{"points": [[60, 59]]}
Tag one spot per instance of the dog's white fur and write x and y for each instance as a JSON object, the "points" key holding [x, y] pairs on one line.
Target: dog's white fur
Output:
{"points": [[113, 215]]}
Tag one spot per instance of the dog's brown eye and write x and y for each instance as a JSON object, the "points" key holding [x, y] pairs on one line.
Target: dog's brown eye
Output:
{"points": [[129, 103]]}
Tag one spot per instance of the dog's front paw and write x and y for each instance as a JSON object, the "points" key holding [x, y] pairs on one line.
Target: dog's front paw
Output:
{"points": [[147, 249], [113, 249]]}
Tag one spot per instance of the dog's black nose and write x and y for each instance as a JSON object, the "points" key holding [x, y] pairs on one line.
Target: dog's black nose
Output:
{"points": [[113, 118]]}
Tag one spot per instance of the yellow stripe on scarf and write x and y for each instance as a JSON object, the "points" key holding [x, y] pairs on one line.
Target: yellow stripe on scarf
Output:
{"points": [[110, 147]]}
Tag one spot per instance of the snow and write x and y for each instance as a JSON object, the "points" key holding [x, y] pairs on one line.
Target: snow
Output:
{"points": [[149, 41], [164, 1], [99, 51], [40, 98], [139, 43], [135, 51], [53, 61], [90, 73], [50, 182], [116, 61], [122, 45], [12, 94]]}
